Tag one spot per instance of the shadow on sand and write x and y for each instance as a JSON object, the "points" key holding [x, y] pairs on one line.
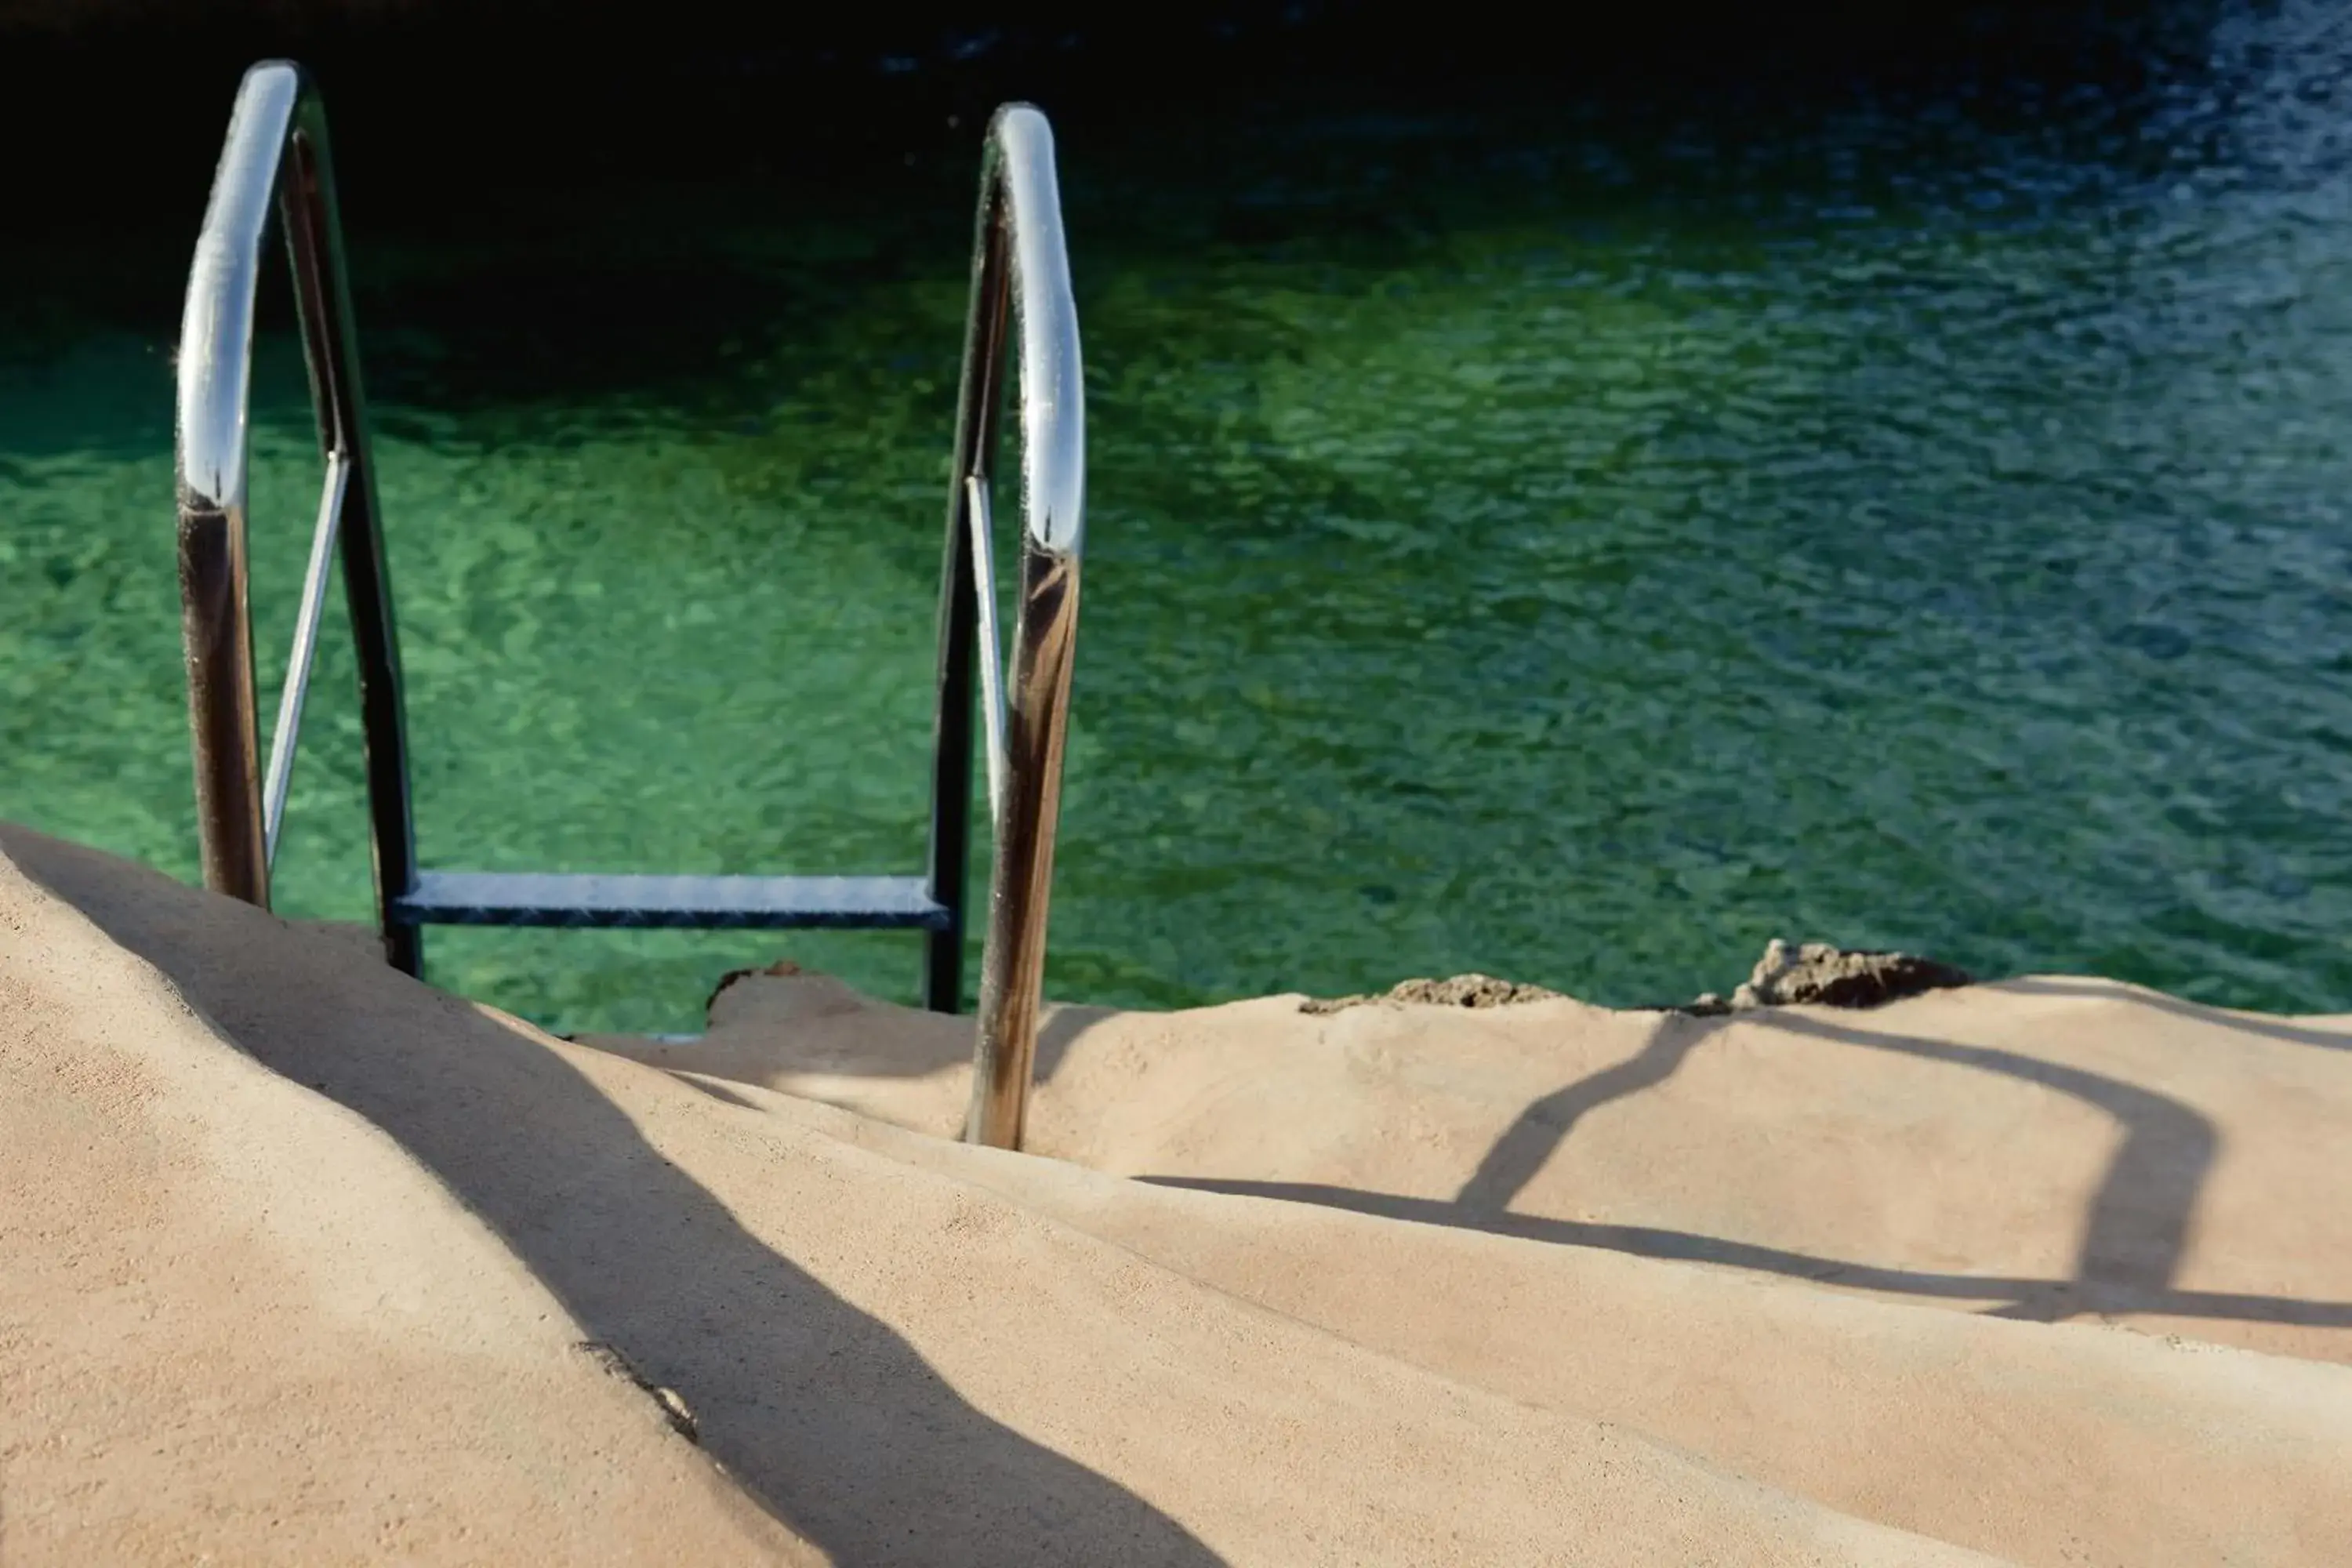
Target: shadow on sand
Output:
{"points": [[2133, 1239], [825, 1415]]}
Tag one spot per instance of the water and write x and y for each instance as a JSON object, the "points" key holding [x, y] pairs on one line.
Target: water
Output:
{"points": [[1571, 541]]}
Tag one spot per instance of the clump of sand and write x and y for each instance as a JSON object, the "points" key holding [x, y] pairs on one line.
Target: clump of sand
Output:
{"points": [[1817, 973], [304, 1261], [1461, 990]]}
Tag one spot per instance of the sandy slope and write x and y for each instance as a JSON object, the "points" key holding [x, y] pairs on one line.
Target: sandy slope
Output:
{"points": [[237, 1317], [298, 1275], [2048, 1147]]}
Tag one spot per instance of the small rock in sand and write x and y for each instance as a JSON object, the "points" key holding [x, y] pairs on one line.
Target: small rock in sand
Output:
{"points": [[1461, 990], [1825, 977]]}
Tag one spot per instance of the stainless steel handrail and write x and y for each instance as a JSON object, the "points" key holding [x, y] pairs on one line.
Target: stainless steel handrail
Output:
{"points": [[277, 145], [1020, 295], [1021, 267]]}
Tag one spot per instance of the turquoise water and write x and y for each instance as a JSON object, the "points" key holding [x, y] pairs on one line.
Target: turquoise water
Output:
{"points": [[1575, 541]]}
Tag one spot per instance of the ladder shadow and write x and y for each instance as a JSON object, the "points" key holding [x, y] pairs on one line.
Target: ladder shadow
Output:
{"points": [[2018, 1296], [825, 1415], [2138, 1226], [2134, 1236]]}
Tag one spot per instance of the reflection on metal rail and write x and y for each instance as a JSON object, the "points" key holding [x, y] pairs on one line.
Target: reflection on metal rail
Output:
{"points": [[1019, 268], [277, 145], [278, 142]]}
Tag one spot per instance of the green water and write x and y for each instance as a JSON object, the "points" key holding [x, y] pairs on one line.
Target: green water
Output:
{"points": [[1575, 541]]}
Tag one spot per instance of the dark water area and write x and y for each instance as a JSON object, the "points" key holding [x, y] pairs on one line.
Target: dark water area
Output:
{"points": [[1568, 514]]}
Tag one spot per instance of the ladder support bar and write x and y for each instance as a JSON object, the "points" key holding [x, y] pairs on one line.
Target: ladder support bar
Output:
{"points": [[992, 645], [287, 733]]}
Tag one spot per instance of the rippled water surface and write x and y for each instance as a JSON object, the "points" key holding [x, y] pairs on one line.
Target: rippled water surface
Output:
{"points": [[1575, 542]]}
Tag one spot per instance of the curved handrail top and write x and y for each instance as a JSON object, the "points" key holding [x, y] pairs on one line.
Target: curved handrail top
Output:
{"points": [[217, 326], [1052, 382]]}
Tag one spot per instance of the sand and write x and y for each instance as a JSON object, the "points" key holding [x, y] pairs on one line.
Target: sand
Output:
{"points": [[303, 1261]]}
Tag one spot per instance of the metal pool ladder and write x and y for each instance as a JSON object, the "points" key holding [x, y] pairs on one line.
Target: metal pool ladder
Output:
{"points": [[1019, 290]]}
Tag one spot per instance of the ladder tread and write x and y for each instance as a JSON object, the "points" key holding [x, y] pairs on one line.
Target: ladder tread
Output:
{"points": [[598, 898]]}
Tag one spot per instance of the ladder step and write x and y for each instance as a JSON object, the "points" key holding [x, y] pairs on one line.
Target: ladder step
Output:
{"points": [[535, 898]]}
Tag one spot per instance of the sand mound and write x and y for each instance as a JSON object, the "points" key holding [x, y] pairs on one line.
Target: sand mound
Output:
{"points": [[302, 1258], [2049, 1148]]}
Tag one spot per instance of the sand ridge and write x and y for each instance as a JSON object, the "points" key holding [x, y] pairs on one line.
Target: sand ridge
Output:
{"points": [[236, 1318], [2051, 1147], [895, 1348]]}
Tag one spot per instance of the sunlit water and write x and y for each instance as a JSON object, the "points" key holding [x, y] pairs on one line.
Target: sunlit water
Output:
{"points": [[1574, 544]]}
